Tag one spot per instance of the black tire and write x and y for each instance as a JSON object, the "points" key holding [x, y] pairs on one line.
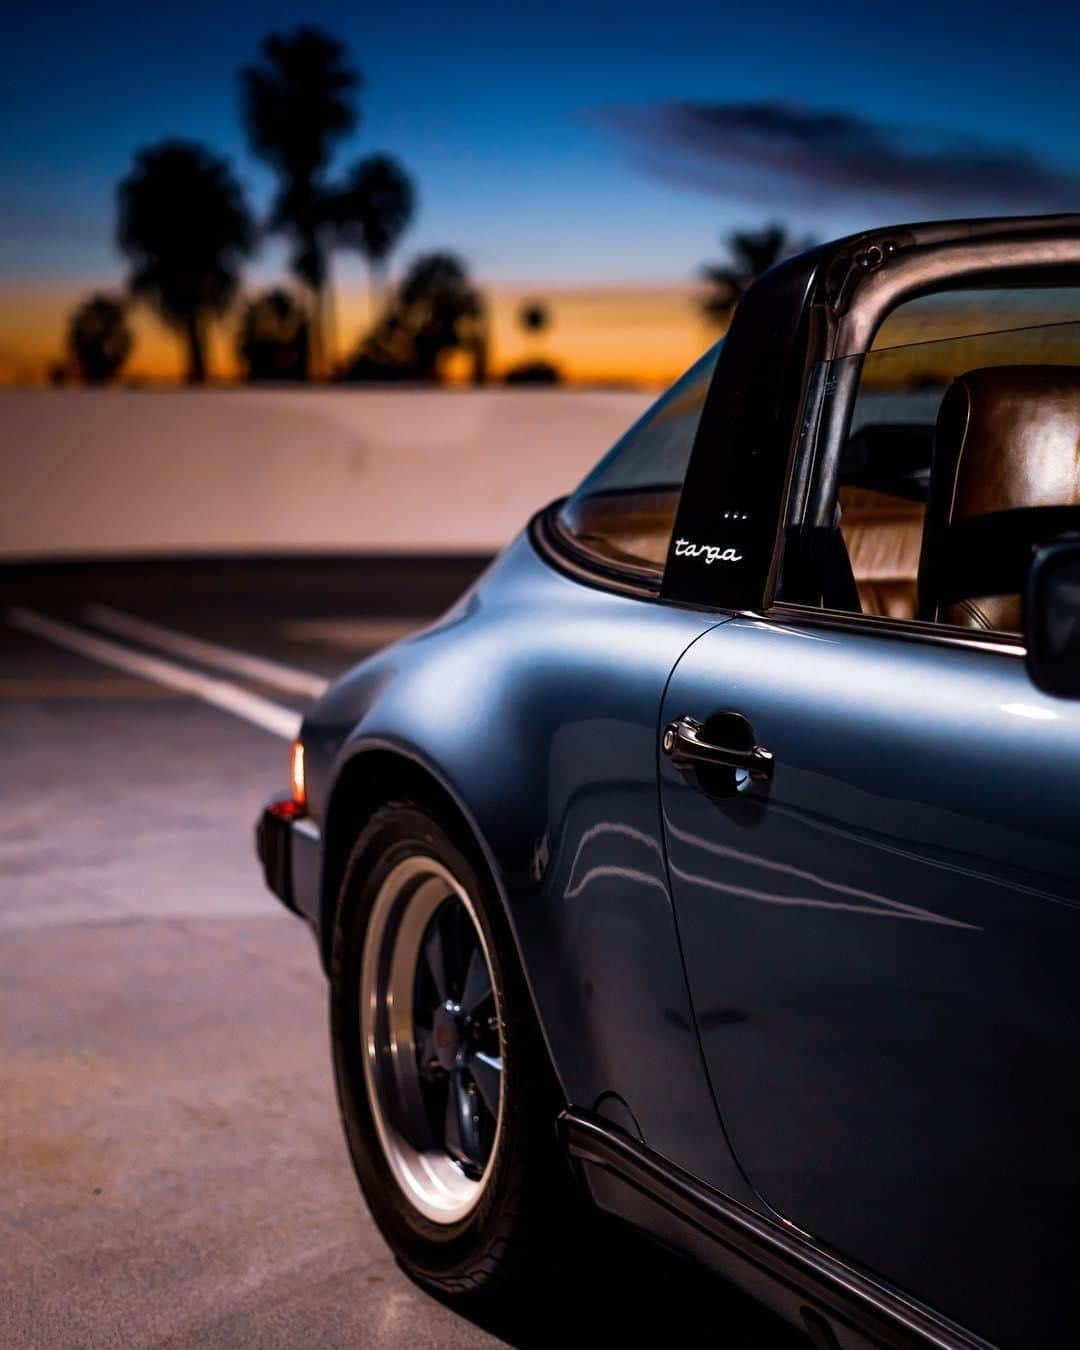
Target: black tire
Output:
{"points": [[505, 1240]]}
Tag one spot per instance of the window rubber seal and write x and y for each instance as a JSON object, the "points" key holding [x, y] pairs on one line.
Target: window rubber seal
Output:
{"points": [[556, 547], [911, 630]]}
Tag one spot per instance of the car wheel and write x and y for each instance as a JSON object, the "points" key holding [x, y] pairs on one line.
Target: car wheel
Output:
{"points": [[442, 1078]]}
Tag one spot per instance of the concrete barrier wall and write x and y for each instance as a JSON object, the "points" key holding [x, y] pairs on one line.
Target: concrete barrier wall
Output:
{"points": [[124, 472]]}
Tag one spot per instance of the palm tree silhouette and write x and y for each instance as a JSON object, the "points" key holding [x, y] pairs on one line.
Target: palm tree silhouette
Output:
{"points": [[374, 209], [534, 316], [436, 310], [445, 311], [272, 340], [297, 103], [99, 339], [186, 228], [751, 252]]}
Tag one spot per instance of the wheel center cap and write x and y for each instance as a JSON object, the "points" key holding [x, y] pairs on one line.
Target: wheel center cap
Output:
{"points": [[447, 1030]]}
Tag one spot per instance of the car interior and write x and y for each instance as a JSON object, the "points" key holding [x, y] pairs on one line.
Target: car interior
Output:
{"points": [[1006, 439], [884, 477], [927, 510], [628, 527]]}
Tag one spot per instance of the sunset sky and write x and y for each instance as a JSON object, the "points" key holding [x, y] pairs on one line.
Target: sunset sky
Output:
{"points": [[591, 154]]}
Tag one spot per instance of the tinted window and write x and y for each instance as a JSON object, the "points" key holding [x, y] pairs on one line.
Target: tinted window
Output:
{"points": [[624, 511], [961, 453]]}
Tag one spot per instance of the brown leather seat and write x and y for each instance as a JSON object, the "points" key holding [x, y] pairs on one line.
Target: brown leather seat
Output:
{"points": [[883, 535], [1008, 437]]}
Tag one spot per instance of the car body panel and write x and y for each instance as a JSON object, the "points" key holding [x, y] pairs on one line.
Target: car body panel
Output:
{"points": [[882, 952], [545, 735]]}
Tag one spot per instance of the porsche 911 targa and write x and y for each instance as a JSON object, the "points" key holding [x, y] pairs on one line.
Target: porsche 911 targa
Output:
{"points": [[719, 851]]}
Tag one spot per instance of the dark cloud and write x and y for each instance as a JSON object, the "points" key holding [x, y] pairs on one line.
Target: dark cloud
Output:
{"points": [[772, 151]]}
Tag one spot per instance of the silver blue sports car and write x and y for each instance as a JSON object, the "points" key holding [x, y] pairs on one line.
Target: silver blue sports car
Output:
{"points": [[719, 851]]}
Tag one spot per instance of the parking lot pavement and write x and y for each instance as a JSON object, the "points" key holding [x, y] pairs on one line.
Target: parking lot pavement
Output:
{"points": [[171, 1164]]}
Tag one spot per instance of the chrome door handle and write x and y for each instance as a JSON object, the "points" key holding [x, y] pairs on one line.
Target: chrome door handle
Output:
{"points": [[684, 746]]}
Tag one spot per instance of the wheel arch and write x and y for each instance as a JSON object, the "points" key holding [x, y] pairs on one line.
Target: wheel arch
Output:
{"points": [[375, 773], [380, 771]]}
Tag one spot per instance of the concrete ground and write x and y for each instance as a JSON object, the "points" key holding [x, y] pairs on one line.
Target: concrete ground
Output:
{"points": [[172, 1171]]}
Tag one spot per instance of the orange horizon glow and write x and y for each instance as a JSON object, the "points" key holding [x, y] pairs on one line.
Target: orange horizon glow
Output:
{"points": [[632, 335]]}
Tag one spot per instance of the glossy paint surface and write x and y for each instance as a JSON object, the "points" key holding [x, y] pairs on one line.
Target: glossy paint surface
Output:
{"points": [[849, 996], [536, 702], [883, 950]]}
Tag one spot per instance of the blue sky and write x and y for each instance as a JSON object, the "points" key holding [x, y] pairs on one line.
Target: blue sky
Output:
{"points": [[538, 134]]}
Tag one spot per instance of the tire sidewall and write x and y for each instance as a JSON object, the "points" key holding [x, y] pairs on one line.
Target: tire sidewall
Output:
{"points": [[440, 1252]]}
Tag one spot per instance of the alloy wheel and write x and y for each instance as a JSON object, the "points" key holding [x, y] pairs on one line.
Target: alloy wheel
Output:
{"points": [[432, 1041]]}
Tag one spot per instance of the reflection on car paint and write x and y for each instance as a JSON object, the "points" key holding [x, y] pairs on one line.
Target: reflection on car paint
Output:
{"points": [[806, 902], [912, 855], [1032, 713], [607, 827], [881, 906]]}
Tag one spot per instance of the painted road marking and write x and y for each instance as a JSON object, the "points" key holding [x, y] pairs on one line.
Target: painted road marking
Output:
{"points": [[352, 634], [258, 668], [34, 688], [223, 694]]}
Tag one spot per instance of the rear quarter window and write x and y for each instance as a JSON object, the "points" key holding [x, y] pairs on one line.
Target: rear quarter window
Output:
{"points": [[623, 513]]}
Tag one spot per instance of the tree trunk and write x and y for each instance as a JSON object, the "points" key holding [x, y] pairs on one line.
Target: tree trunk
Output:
{"points": [[373, 294], [378, 287], [325, 309], [331, 339], [480, 352], [318, 321], [480, 360], [196, 371]]}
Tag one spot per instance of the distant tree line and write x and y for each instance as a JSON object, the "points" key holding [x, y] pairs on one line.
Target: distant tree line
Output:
{"points": [[186, 230]]}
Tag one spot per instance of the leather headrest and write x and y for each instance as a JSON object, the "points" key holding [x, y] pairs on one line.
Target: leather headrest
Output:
{"points": [[1009, 437]]}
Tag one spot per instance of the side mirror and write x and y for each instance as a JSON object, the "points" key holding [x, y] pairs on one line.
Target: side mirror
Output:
{"points": [[1052, 617]]}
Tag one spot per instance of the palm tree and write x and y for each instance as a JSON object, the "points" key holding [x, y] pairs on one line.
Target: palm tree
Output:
{"points": [[186, 228], [99, 338], [374, 209], [272, 340], [297, 103], [436, 310], [445, 311], [751, 252], [534, 316]]}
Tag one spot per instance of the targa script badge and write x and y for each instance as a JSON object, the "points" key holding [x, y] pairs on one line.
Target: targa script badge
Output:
{"points": [[685, 548]]}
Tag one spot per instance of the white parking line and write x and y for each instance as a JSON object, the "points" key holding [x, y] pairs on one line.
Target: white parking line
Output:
{"points": [[352, 635], [278, 676], [223, 694]]}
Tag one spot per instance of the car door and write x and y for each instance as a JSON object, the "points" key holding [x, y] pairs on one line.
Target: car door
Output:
{"points": [[882, 942]]}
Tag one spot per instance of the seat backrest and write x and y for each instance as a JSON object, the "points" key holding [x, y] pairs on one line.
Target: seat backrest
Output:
{"points": [[883, 536], [1008, 437]]}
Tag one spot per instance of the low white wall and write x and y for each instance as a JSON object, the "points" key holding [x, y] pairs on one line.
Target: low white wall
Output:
{"points": [[114, 472]]}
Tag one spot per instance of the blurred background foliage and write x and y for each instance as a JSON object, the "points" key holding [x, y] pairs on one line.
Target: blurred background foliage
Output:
{"points": [[187, 231]]}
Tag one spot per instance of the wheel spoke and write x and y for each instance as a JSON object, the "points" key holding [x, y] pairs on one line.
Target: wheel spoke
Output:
{"points": [[470, 1123], [425, 1045], [462, 1123], [487, 1074], [452, 1127], [477, 981], [435, 959], [448, 945], [458, 940]]}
